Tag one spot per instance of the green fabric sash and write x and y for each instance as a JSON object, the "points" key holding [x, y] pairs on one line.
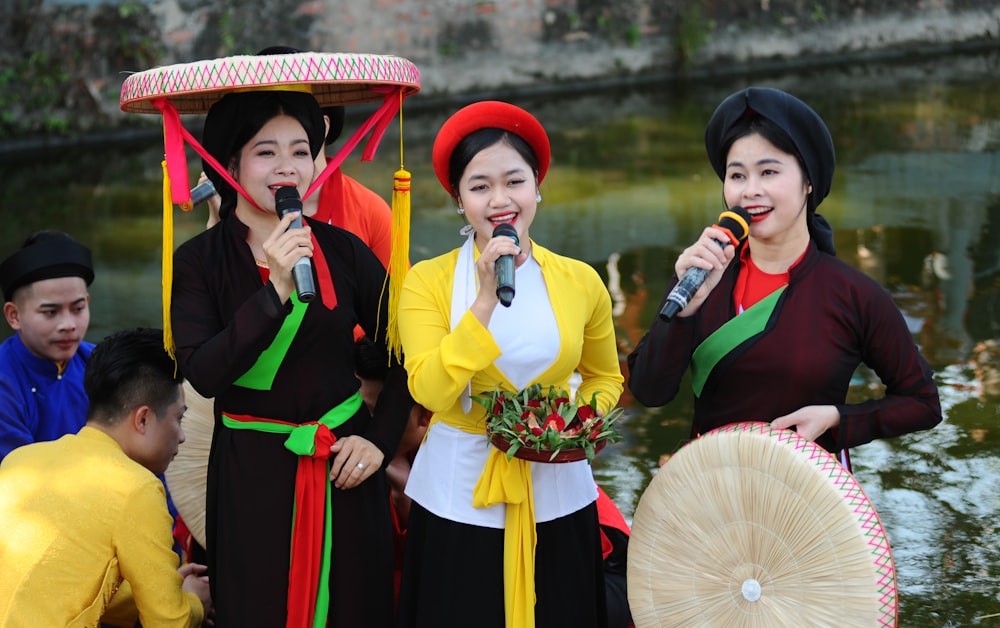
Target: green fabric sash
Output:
{"points": [[300, 436], [732, 334], [261, 375]]}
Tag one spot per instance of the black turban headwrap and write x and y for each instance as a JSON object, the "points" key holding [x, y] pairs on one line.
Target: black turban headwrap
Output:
{"points": [[237, 117], [45, 255], [803, 126]]}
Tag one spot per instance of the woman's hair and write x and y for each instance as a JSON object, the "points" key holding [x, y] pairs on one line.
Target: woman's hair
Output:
{"points": [[759, 125], [234, 120], [477, 141], [129, 369]]}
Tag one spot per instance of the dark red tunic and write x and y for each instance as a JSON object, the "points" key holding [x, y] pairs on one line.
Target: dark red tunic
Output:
{"points": [[830, 319]]}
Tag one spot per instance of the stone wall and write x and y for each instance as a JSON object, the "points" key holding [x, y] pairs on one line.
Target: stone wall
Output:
{"points": [[62, 61]]}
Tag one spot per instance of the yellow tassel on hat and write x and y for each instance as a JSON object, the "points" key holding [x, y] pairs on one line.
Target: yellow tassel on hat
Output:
{"points": [[167, 262], [399, 257]]}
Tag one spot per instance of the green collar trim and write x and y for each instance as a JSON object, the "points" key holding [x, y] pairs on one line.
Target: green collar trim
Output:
{"points": [[732, 334]]}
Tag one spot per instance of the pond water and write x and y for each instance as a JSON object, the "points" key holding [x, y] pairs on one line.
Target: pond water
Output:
{"points": [[915, 204]]}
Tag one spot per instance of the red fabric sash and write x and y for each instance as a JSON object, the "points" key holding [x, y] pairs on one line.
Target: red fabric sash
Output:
{"points": [[310, 550], [308, 531]]}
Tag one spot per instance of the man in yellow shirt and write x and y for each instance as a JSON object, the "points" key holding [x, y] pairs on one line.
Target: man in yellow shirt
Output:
{"points": [[82, 514]]}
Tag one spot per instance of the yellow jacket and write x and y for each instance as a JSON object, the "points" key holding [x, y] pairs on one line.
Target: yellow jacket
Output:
{"points": [[78, 516], [440, 361]]}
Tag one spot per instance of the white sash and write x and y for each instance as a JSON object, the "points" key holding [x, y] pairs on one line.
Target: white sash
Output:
{"points": [[463, 293]]}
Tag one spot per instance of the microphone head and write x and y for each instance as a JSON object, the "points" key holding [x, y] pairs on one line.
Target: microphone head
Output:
{"points": [[735, 221], [287, 199], [506, 229]]}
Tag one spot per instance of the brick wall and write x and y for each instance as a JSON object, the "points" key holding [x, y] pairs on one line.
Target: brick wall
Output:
{"points": [[61, 62]]}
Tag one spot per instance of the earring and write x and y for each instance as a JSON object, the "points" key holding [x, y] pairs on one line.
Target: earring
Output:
{"points": [[538, 199], [460, 209]]}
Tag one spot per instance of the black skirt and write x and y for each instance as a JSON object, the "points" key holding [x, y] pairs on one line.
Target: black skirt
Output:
{"points": [[249, 531], [453, 573]]}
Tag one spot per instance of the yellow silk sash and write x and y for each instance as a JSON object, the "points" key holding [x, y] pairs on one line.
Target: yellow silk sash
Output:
{"points": [[509, 482]]}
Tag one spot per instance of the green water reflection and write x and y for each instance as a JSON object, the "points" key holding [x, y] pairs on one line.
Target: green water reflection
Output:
{"points": [[915, 203]]}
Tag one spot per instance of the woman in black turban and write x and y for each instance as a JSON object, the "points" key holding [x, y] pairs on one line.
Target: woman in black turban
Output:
{"points": [[779, 326]]}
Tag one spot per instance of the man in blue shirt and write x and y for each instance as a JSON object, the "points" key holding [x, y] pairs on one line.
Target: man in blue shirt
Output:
{"points": [[41, 367]]}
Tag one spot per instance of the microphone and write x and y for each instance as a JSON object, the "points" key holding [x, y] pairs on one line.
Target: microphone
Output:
{"points": [[287, 199], [202, 192], [736, 223], [505, 266]]}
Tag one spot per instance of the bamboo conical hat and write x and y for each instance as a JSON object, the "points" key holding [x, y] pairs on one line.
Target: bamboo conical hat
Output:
{"points": [[187, 474], [333, 78], [751, 526]]}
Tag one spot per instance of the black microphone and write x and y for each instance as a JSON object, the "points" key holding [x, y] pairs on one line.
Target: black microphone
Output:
{"points": [[202, 192], [736, 223], [287, 199], [505, 265]]}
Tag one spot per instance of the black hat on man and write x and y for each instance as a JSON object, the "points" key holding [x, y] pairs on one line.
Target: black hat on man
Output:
{"points": [[45, 255]]}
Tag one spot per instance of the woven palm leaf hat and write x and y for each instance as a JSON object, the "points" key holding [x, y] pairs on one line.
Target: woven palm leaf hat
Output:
{"points": [[752, 526], [187, 475], [333, 79]]}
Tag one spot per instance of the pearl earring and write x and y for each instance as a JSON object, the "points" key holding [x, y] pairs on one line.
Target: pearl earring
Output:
{"points": [[538, 199], [460, 209]]}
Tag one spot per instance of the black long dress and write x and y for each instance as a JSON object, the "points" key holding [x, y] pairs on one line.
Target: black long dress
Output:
{"points": [[223, 317]]}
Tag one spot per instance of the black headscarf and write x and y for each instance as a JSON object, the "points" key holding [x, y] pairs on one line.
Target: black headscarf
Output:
{"points": [[237, 117], [807, 131], [45, 255]]}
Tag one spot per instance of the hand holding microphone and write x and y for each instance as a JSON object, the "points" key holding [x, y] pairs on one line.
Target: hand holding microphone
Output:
{"points": [[735, 222], [287, 199], [505, 266]]}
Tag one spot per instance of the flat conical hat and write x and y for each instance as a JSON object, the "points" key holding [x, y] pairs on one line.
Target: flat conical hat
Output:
{"points": [[751, 526], [333, 78], [187, 474]]}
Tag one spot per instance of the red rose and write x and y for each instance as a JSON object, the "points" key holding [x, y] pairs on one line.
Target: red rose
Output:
{"points": [[555, 422], [534, 403], [585, 413]]}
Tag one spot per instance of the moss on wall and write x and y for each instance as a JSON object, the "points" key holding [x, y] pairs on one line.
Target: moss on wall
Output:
{"points": [[61, 64]]}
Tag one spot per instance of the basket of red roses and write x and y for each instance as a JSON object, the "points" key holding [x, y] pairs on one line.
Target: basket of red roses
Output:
{"points": [[545, 426]]}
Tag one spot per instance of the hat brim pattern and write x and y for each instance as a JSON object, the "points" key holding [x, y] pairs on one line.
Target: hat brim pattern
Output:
{"points": [[333, 79]]}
